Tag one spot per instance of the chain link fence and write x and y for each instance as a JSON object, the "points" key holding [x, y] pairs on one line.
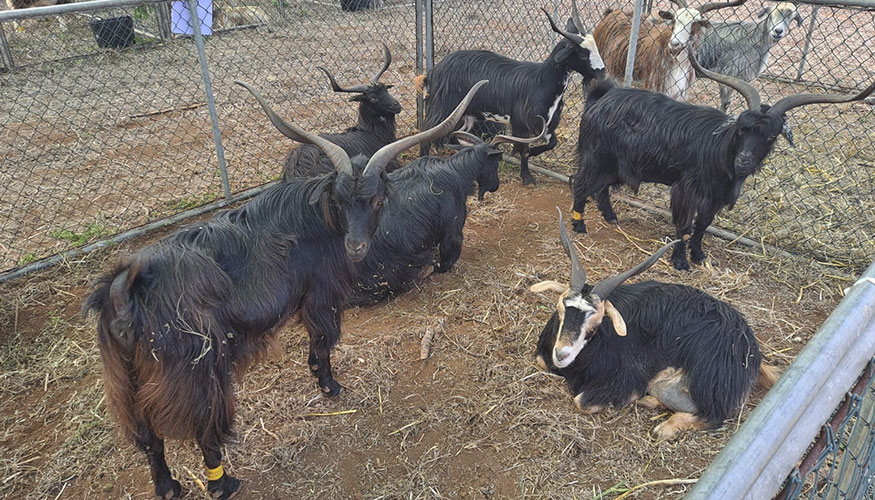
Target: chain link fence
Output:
{"points": [[95, 141], [818, 199], [841, 462]]}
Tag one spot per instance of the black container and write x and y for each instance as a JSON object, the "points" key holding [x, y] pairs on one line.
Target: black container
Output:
{"points": [[113, 33]]}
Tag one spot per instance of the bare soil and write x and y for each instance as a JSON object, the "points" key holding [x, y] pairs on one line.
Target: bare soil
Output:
{"points": [[475, 420]]}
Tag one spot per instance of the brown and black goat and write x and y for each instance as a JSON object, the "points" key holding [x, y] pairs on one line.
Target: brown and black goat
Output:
{"points": [[630, 136], [375, 128], [181, 319], [661, 61], [658, 344]]}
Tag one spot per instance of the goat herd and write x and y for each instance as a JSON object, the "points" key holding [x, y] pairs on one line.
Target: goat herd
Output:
{"points": [[179, 320]]}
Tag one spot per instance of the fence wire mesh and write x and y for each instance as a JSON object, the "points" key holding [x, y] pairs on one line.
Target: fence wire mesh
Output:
{"points": [[95, 141], [840, 464], [815, 200]]}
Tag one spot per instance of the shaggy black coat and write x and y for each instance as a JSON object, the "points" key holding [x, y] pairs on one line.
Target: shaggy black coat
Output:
{"points": [[630, 136], [518, 91], [180, 316], [667, 325], [375, 129], [427, 213]]}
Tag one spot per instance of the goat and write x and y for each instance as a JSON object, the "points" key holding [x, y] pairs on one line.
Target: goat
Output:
{"points": [[179, 317], [427, 212], [375, 128], [741, 49], [630, 136], [661, 62], [690, 352], [519, 91]]}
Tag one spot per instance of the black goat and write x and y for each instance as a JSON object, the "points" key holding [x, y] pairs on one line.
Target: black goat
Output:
{"points": [[375, 128], [180, 316], [692, 353], [427, 213], [630, 136], [519, 91]]}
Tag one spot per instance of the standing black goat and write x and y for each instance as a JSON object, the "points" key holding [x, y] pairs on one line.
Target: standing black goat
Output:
{"points": [[690, 352], [519, 91], [375, 128], [427, 212], [181, 316], [630, 136]]}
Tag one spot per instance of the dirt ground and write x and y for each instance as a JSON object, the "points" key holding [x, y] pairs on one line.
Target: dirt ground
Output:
{"points": [[475, 420]]}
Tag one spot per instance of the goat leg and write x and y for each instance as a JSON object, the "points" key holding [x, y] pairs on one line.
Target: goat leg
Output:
{"points": [[603, 201], [223, 486], [703, 220], [682, 217], [450, 249], [165, 486], [322, 317], [525, 175]]}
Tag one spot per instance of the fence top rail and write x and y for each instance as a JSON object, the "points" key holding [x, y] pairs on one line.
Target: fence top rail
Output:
{"points": [[865, 4], [54, 10]]}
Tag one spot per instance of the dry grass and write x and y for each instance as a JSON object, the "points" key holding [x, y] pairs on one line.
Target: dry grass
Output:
{"points": [[474, 420]]}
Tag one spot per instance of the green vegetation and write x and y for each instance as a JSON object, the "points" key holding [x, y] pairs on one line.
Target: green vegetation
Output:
{"points": [[93, 232]]}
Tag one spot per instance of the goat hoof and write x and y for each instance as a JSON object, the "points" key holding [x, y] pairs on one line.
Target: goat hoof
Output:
{"points": [[173, 491], [313, 363], [331, 389], [529, 181], [443, 268], [698, 257], [612, 220], [224, 488], [579, 226], [681, 264]]}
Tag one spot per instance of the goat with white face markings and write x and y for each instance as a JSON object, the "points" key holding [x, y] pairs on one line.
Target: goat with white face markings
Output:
{"points": [[631, 136], [375, 128], [518, 92], [741, 49], [661, 62], [658, 344]]}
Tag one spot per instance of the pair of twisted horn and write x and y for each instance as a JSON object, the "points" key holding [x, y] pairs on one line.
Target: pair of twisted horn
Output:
{"points": [[361, 88], [383, 155], [607, 285], [710, 5], [503, 139], [754, 103], [575, 18]]}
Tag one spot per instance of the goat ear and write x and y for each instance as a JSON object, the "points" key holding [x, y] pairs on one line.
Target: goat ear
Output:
{"points": [[357, 98], [563, 54], [725, 125], [321, 189], [668, 16], [616, 318], [549, 285], [787, 132], [761, 14]]}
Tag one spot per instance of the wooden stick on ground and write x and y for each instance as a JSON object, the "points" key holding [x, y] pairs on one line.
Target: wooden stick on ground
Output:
{"points": [[428, 338]]}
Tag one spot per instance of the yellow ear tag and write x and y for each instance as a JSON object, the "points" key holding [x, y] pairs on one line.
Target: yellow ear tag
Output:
{"points": [[575, 215], [215, 474], [616, 318]]}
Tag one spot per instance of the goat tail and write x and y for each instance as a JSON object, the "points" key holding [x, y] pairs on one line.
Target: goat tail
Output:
{"points": [[420, 84], [598, 89], [115, 340], [769, 374]]}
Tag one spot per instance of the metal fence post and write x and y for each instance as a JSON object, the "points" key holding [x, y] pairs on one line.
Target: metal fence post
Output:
{"points": [[807, 42], [4, 50], [633, 42], [420, 67], [429, 35], [208, 90]]}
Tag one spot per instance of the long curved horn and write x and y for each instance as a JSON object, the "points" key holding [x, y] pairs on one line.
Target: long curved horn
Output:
{"points": [[334, 152], [719, 5], [680, 3], [500, 139], [796, 100], [570, 36], [467, 136], [575, 17], [388, 152], [747, 90], [337, 88], [607, 285], [388, 58], [578, 275]]}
